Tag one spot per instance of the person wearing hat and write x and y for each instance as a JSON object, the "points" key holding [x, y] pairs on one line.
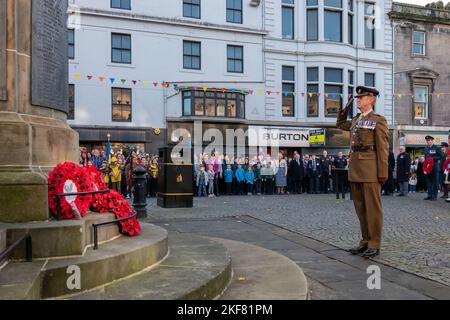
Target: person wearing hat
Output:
{"points": [[433, 152], [368, 167]]}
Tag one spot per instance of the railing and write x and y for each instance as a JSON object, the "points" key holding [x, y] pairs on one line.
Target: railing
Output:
{"points": [[106, 223], [28, 248], [58, 204]]}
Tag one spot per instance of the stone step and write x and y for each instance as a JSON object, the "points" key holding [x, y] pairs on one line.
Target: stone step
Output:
{"points": [[197, 268], [60, 238], [114, 260], [21, 280], [261, 274]]}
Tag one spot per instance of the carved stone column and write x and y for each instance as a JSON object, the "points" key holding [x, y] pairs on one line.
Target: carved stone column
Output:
{"points": [[34, 133]]}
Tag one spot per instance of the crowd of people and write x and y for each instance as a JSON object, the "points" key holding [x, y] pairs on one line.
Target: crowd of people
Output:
{"points": [[216, 175], [117, 169]]}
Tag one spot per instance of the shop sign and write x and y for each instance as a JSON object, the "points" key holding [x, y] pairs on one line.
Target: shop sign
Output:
{"points": [[278, 136], [317, 138], [419, 139]]}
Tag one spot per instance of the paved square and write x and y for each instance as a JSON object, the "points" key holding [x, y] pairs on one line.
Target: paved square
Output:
{"points": [[416, 232]]}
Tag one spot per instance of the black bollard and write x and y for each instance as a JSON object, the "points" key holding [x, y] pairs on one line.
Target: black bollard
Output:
{"points": [[139, 199]]}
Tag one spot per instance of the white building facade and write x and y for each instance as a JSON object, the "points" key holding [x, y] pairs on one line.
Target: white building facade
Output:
{"points": [[140, 69]]}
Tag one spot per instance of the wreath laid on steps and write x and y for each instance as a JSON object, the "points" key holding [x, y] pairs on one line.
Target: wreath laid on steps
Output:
{"points": [[71, 178]]}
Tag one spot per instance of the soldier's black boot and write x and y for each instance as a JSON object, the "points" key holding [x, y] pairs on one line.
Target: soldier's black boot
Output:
{"points": [[359, 249], [370, 253]]}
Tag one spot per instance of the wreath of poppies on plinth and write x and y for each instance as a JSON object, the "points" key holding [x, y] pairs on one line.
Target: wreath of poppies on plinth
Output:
{"points": [[428, 165], [67, 178], [100, 201], [70, 177], [122, 209]]}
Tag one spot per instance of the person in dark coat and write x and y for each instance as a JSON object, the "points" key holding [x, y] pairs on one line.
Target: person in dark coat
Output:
{"points": [[389, 185], [314, 174], [296, 173], [403, 171], [421, 178]]}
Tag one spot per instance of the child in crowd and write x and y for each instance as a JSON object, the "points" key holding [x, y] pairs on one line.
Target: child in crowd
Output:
{"points": [[202, 182], [267, 177], [257, 172], [105, 172], [249, 180], [240, 179], [211, 175], [228, 177], [115, 174], [413, 182]]}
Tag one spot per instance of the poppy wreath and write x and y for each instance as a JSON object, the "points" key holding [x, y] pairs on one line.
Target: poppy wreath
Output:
{"points": [[100, 201], [122, 209], [428, 165], [81, 182]]}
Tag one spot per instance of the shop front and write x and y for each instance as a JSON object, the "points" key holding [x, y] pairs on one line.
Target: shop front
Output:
{"points": [[125, 140], [415, 142]]}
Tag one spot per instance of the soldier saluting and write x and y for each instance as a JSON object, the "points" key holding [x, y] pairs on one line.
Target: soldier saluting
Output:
{"points": [[368, 167]]}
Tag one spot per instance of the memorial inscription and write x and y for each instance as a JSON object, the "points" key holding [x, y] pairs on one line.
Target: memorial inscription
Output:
{"points": [[49, 61], [3, 92]]}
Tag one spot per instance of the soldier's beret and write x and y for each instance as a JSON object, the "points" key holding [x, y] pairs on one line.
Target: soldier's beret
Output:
{"points": [[429, 138], [444, 144], [362, 91]]}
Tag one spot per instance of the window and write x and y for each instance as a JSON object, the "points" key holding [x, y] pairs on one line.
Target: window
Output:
{"points": [[288, 100], [350, 21], [191, 9], [418, 43], [121, 48], [71, 42], [234, 11], [121, 4], [351, 88], [121, 104], [71, 113], [333, 91], [369, 80], [192, 55], [288, 19], [312, 20], [333, 20], [369, 25], [312, 90], [235, 59], [420, 102], [213, 104]]}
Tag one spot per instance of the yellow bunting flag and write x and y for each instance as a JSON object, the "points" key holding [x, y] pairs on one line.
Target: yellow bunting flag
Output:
{"points": [[78, 76]]}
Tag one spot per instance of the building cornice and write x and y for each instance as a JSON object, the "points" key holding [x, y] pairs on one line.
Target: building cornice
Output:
{"points": [[410, 12], [166, 21], [332, 55]]}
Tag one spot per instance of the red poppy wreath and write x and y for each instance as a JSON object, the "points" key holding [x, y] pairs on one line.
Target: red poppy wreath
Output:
{"points": [[100, 201], [122, 209], [69, 178], [428, 165]]}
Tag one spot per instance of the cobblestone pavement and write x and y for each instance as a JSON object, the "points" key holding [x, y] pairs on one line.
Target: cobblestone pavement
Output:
{"points": [[416, 232]]}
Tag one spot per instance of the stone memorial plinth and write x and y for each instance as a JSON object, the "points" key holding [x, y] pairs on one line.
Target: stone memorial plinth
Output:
{"points": [[34, 133]]}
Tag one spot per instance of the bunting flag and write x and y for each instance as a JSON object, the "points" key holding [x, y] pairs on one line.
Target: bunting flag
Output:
{"points": [[177, 87]]}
